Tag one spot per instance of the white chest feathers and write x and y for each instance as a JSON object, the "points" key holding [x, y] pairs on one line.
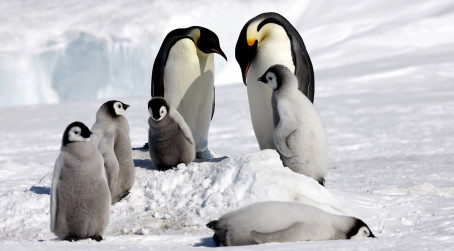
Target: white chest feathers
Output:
{"points": [[273, 47]]}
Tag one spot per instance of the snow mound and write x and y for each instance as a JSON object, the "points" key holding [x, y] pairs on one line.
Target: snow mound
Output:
{"points": [[182, 199]]}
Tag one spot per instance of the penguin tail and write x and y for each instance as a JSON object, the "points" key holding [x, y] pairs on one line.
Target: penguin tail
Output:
{"points": [[213, 224]]}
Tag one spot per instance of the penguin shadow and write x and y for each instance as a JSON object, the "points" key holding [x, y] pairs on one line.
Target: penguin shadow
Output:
{"points": [[145, 163], [205, 242], [40, 190], [143, 148]]}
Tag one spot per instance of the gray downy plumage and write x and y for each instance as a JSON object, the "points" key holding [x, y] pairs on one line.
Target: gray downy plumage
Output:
{"points": [[111, 137], [299, 135], [80, 196], [170, 140], [284, 222]]}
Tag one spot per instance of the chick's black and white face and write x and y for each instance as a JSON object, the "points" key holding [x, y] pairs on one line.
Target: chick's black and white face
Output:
{"points": [[363, 232], [119, 108], [158, 113], [75, 135], [271, 80]]}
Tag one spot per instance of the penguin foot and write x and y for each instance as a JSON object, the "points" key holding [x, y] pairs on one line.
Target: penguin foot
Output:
{"points": [[96, 237], [322, 181], [206, 154], [71, 238]]}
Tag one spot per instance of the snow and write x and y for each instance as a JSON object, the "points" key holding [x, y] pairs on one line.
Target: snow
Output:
{"points": [[384, 88]]}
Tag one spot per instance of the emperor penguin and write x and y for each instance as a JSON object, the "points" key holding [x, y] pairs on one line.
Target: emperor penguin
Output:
{"points": [[183, 73], [266, 40], [169, 137], [299, 135], [111, 137], [80, 196], [284, 222]]}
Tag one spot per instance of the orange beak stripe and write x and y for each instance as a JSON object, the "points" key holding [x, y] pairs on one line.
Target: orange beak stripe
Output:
{"points": [[247, 69]]}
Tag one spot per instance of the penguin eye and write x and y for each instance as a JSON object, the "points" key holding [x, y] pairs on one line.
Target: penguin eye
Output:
{"points": [[119, 106], [76, 132], [269, 78]]}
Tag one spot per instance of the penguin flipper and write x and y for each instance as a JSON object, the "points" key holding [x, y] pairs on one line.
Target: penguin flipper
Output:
{"points": [[110, 160], [184, 128], [295, 232], [286, 126], [53, 195], [214, 97]]}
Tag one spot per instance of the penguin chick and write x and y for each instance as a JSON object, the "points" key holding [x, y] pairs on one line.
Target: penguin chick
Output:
{"points": [[284, 222], [80, 196], [169, 137], [299, 135], [111, 137], [183, 74], [264, 41]]}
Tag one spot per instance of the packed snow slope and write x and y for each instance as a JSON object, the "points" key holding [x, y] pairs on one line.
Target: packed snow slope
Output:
{"points": [[384, 91]]}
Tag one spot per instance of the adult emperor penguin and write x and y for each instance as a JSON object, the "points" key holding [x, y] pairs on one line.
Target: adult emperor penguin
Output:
{"points": [[111, 137], [169, 137], [80, 196], [183, 73], [284, 222], [266, 40], [299, 135]]}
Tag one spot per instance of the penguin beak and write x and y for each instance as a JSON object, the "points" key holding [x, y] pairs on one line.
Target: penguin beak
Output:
{"points": [[251, 41], [126, 106], [262, 79], [220, 52]]}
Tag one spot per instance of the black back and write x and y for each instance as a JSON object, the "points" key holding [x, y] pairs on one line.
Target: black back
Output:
{"points": [[303, 66], [85, 132]]}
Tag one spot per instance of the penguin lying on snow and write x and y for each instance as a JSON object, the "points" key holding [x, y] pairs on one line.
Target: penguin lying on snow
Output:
{"points": [[299, 135], [284, 222], [266, 40], [111, 137], [169, 138], [80, 196], [183, 73]]}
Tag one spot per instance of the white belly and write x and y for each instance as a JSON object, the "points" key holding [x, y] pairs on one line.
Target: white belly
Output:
{"points": [[259, 94], [189, 88]]}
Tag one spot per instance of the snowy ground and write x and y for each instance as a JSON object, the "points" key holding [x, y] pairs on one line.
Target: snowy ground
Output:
{"points": [[384, 91]]}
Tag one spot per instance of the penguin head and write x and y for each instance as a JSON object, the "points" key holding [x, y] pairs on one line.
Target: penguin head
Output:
{"points": [[76, 132], [116, 108], [252, 34], [276, 76], [158, 108], [206, 40], [359, 230]]}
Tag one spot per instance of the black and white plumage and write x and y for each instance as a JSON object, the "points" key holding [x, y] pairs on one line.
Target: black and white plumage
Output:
{"points": [[266, 40], [170, 140], [299, 135], [284, 222], [111, 137], [183, 73], [80, 196]]}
